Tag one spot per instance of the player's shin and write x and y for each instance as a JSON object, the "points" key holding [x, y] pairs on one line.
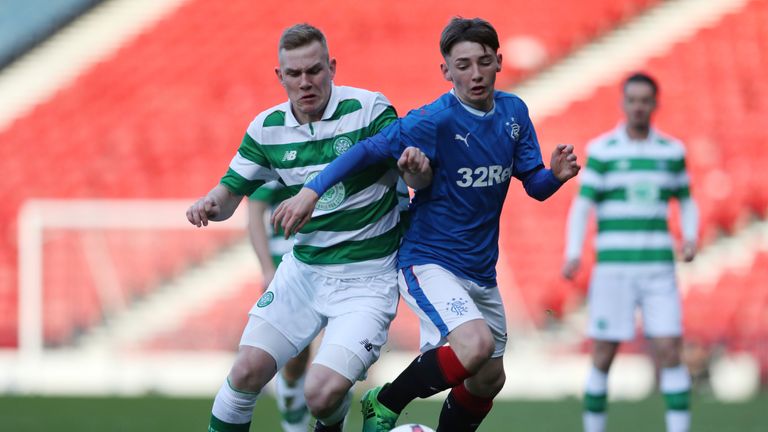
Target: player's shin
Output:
{"points": [[595, 401], [232, 409], [430, 373], [676, 387], [335, 421], [463, 411], [291, 403]]}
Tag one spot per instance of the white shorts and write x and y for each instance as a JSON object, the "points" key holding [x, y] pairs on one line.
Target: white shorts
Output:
{"points": [[616, 292], [355, 312], [443, 301]]}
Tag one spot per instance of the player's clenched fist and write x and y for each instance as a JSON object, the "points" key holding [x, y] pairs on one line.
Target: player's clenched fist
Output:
{"points": [[563, 163], [414, 167], [413, 161], [295, 212], [203, 209]]}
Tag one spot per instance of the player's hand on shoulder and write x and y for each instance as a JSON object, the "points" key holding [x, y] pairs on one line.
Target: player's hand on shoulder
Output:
{"points": [[564, 163], [202, 210], [295, 212]]}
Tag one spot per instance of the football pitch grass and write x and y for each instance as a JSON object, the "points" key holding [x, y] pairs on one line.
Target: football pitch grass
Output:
{"points": [[64, 414]]}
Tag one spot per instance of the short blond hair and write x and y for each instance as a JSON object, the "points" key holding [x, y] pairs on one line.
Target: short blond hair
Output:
{"points": [[300, 35]]}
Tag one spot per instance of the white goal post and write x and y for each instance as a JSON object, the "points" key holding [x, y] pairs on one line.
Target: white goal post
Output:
{"points": [[104, 214]]}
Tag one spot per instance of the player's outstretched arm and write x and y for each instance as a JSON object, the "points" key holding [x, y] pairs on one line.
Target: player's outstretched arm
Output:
{"points": [[689, 221], [295, 212], [414, 168], [218, 205], [257, 232], [564, 164], [576, 230]]}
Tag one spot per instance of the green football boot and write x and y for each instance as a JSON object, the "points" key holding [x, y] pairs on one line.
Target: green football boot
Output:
{"points": [[376, 417]]}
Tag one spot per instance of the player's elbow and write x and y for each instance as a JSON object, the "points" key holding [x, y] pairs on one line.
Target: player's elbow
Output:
{"points": [[537, 195]]}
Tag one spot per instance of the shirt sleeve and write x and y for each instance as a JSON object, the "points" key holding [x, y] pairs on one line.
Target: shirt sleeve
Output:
{"points": [[383, 114], [576, 229], [689, 220], [541, 183], [527, 151], [415, 130], [689, 212], [249, 168]]}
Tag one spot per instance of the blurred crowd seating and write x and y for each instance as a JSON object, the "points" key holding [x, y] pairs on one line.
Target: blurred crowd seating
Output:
{"points": [[714, 98], [162, 116]]}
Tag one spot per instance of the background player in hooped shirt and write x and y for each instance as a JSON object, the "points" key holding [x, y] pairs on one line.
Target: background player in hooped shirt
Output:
{"points": [[632, 173], [477, 139], [341, 276]]}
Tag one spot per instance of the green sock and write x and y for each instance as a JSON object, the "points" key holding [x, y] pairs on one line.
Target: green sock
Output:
{"points": [[217, 425]]}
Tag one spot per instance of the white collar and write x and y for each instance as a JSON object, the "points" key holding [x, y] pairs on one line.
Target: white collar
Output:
{"points": [[333, 103], [621, 131], [472, 110]]}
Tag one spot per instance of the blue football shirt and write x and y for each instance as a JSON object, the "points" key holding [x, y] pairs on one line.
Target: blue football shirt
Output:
{"points": [[474, 155]]}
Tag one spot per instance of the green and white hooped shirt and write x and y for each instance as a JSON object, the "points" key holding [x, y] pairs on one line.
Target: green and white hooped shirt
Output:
{"points": [[630, 184], [355, 224]]}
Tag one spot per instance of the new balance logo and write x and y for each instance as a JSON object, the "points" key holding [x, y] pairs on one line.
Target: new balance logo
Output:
{"points": [[289, 155], [366, 344], [463, 138]]}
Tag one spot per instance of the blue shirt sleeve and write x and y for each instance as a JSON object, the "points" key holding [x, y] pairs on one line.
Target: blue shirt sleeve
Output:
{"points": [[527, 150], [363, 154], [541, 183], [417, 129]]}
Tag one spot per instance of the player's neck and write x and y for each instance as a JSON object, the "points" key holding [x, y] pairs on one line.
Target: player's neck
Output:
{"points": [[478, 109], [303, 118], [638, 133]]}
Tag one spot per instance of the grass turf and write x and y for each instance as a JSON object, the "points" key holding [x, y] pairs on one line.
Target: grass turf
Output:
{"points": [[63, 414]]}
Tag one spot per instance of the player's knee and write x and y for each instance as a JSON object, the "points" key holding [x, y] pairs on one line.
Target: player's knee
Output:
{"points": [[248, 378], [603, 353], [490, 385], [322, 400], [477, 352], [489, 381], [668, 351], [669, 358], [497, 382]]}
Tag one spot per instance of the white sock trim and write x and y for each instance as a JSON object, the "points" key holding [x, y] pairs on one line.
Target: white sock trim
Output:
{"points": [[594, 422], [597, 382], [678, 421], [675, 379], [233, 406]]}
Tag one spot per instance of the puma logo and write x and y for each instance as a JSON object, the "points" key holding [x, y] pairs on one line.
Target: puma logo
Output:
{"points": [[463, 138]]}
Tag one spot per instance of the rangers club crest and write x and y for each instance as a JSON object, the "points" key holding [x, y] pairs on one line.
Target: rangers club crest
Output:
{"points": [[513, 129]]}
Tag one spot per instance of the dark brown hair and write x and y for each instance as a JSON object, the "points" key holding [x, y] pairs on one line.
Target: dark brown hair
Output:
{"points": [[468, 29], [640, 77]]}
